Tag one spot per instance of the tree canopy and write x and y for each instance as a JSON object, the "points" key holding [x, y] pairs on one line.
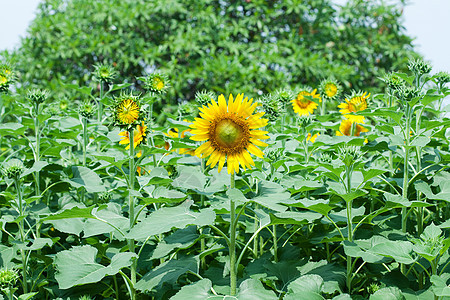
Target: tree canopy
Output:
{"points": [[227, 46]]}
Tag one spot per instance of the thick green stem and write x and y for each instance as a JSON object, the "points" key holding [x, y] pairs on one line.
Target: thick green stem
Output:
{"points": [[275, 243], [323, 108], [131, 209], [202, 204], [37, 150], [348, 172], [85, 140], [233, 269], [100, 111], [22, 235]]}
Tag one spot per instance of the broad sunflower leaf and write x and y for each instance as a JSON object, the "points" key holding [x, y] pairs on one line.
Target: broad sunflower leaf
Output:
{"points": [[77, 266], [199, 290], [85, 177], [305, 287], [253, 289], [167, 273], [400, 251], [388, 293], [166, 218]]}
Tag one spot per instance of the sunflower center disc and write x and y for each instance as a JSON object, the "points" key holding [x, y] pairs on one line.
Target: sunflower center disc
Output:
{"points": [[228, 133], [2, 79]]}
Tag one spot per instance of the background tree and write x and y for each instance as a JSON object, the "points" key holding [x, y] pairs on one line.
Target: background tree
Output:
{"points": [[252, 46]]}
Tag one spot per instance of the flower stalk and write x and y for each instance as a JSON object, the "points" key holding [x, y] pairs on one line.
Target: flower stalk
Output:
{"points": [[131, 178], [233, 269]]}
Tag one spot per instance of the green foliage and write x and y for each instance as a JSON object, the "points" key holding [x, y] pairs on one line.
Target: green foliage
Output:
{"points": [[254, 46]]}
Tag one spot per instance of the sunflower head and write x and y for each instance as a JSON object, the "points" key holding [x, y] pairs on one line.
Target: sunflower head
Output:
{"points": [[230, 132], [349, 154], [104, 73], [419, 67], [139, 136], [127, 111], [274, 154], [156, 82], [350, 128], [187, 109], [87, 109], [105, 197], [272, 106], [204, 97], [354, 103], [330, 89], [305, 102]]}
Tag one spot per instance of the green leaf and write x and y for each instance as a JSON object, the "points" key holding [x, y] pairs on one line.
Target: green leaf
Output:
{"points": [[37, 166], [6, 256], [400, 251], [190, 178], [164, 194], [77, 266], [27, 296], [440, 287], [167, 273], [388, 293], [236, 196], [180, 239], [85, 177], [251, 289], [166, 218], [112, 214], [319, 205], [74, 212], [12, 129], [199, 290], [305, 287], [371, 173]]}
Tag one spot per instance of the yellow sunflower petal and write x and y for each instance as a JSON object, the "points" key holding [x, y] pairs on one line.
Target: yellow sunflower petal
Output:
{"points": [[255, 150]]}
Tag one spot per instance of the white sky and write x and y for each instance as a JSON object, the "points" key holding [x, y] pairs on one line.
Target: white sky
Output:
{"points": [[427, 20]]}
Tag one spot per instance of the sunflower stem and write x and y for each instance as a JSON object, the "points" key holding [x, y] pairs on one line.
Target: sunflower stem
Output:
{"points": [[22, 234], [348, 174], [100, 111], [131, 209], [233, 275], [323, 108], [37, 150], [202, 204]]}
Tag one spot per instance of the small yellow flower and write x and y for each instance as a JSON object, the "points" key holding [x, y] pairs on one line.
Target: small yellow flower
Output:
{"points": [[138, 136], [304, 106], [346, 127], [230, 131], [357, 102], [330, 89]]}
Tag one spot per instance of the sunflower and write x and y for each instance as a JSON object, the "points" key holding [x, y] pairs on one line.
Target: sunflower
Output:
{"points": [[138, 136], [330, 88], [346, 127], [356, 103], [312, 138], [230, 132], [127, 111], [303, 105], [174, 134], [156, 82]]}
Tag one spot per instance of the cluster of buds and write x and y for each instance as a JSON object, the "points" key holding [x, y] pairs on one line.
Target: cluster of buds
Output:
{"points": [[284, 96], [157, 83], [204, 97], [419, 67], [6, 77], [86, 109], [104, 73], [13, 168]]}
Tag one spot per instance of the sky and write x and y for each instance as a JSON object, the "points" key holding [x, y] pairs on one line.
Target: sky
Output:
{"points": [[426, 20]]}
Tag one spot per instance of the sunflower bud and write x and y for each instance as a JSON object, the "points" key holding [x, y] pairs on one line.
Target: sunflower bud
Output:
{"points": [[349, 155], [13, 168], [373, 287], [105, 197], [63, 104], [6, 77], [330, 89], [419, 67], [393, 81], [408, 93], [187, 108], [104, 73], [442, 78], [204, 97], [8, 277], [37, 96], [274, 154], [85, 297], [326, 158], [272, 106], [127, 111], [284, 96], [86, 109], [157, 83]]}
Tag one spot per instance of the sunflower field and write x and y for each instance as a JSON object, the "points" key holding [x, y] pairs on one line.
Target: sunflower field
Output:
{"points": [[108, 190]]}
